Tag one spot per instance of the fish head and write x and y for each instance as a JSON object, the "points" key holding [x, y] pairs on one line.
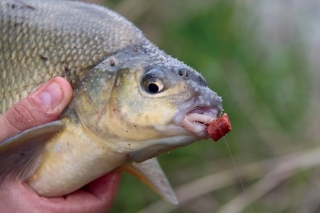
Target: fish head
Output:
{"points": [[143, 102]]}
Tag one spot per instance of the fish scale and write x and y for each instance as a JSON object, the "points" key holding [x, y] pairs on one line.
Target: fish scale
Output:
{"points": [[33, 48], [131, 101]]}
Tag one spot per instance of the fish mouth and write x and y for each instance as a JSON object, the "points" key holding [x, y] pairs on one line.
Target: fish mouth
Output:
{"points": [[195, 117], [197, 121]]}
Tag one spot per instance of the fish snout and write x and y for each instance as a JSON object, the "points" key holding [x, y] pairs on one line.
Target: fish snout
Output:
{"points": [[203, 96], [207, 98], [200, 111], [192, 76]]}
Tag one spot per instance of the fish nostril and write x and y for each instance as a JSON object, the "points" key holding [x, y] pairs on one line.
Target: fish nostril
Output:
{"points": [[183, 73]]}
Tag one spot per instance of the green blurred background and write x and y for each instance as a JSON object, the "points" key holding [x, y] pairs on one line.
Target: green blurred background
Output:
{"points": [[262, 57]]}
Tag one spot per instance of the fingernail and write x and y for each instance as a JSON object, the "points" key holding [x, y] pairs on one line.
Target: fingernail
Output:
{"points": [[51, 95]]}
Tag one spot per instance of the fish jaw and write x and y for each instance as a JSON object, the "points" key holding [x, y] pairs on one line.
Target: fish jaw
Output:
{"points": [[199, 112]]}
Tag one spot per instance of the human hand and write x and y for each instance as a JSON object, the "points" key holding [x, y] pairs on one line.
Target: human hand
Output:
{"points": [[43, 106]]}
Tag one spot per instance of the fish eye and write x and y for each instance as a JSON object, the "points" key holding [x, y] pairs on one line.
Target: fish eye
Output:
{"points": [[155, 87], [153, 81]]}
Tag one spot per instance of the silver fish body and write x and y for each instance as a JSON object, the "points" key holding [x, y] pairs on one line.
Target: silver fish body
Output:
{"points": [[44, 39], [131, 101]]}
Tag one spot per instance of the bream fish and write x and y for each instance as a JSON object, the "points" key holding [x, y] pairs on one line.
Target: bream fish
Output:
{"points": [[131, 101]]}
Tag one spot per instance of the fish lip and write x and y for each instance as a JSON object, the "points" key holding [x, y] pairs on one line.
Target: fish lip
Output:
{"points": [[194, 118]]}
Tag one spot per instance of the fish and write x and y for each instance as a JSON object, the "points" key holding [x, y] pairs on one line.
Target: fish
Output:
{"points": [[131, 101]]}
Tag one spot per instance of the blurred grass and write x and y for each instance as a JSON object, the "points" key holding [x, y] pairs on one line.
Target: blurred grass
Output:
{"points": [[270, 91]]}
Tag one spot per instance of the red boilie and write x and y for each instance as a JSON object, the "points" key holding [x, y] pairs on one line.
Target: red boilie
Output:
{"points": [[220, 127]]}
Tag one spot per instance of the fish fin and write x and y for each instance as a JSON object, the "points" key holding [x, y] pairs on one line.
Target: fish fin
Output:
{"points": [[150, 173], [19, 155]]}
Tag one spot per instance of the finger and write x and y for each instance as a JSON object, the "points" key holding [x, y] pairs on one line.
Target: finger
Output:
{"points": [[96, 197], [42, 106], [105, 187], [103, 190], [29, 201]]}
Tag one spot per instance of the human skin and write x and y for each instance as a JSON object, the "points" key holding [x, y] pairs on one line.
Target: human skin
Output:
{"points": [[43, 106]]}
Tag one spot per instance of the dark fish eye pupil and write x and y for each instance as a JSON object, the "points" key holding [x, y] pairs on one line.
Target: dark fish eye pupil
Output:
{"points": [[153, 88]]}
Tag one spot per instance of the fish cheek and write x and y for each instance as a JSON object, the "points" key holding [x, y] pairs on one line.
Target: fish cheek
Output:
{"points": [[140, 108], [137, 114]]}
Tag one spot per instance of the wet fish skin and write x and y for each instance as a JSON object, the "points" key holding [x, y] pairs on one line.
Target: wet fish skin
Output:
{"points": [[113, 116], [37, 45]]}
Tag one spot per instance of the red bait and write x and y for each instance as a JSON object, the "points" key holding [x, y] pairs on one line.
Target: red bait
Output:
{"points": [[220, 127]]}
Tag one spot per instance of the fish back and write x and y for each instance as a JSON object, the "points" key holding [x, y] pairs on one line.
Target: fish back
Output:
{"points": [[43, 39]]}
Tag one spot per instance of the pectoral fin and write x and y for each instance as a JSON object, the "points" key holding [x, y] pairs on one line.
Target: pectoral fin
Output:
{"points": [[19, 155], [150, 173]]}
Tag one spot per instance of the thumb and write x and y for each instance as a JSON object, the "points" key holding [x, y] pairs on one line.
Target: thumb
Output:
{"points": [[42, 106]]}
